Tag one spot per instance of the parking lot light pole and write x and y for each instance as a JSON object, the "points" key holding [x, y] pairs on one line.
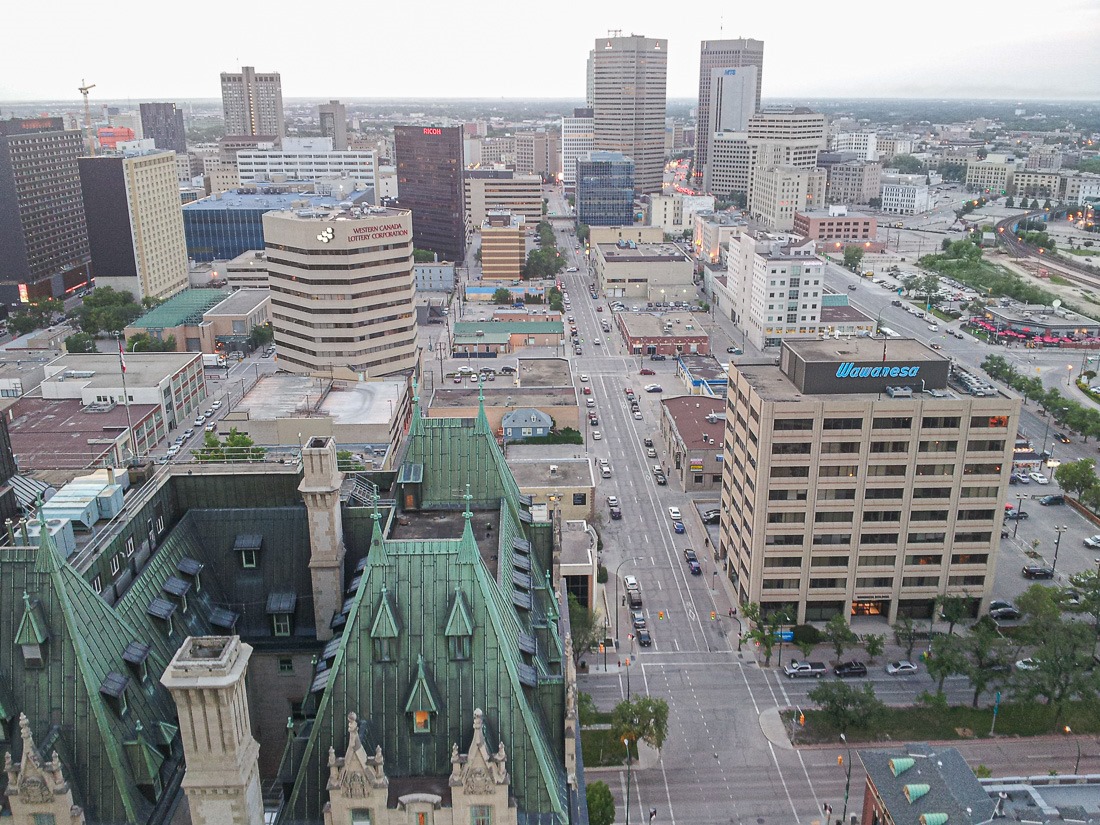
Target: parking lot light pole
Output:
{"points": [[848, 781], [1076, 765], [1019, 510], [1057, 541]]}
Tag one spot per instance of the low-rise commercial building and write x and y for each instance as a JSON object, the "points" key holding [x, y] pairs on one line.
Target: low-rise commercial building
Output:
{"points": [[836, 224], [247, 271], [367, 418], [470, 339], [691, 433], [1038, 320], [435, 277], [702, 375], [555, 481], [1035, 184], [675, 213], [172, 382], [206, 320], [503, 246], [643, 271], [560, 403], [1080, 189], [858, 484], [711, 234], [306, 159], [994, 174], [615, 234], [670, 334], [905, 198]]}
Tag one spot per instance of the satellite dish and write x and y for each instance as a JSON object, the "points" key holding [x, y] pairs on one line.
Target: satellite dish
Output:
{"points": [[1057, 302]]}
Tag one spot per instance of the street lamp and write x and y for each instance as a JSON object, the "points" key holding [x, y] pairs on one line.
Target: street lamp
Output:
{"points": [[617, 605], [1069, 373], [848, 780], [1057, 541], [1019, 511], [1076, 765], [626, 744]]}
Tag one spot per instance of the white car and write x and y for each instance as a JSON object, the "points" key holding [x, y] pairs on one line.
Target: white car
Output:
{"points": [[217, 405], [674, 513], [584, 378], [173, 450], [1038, 478], [901, 668], [1027, 664], [570, 269], [596, 436], [637, 415], [612, 501]]}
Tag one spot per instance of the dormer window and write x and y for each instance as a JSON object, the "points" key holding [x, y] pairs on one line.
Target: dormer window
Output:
{"points": [[459, 629], [136, 657], [421, 705], [280, 607], [32, 633], [113, 687], [385, 630], [249, 546]]}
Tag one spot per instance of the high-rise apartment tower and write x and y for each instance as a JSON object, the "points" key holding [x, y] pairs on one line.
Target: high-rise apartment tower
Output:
{"points": [[253, 103], [163, 122]]}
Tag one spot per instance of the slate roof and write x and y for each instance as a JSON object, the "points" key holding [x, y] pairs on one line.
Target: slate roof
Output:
{"points": [[918, 780]]}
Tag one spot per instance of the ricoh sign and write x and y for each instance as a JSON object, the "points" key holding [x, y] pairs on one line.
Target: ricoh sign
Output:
{"points": [[872, 376]]}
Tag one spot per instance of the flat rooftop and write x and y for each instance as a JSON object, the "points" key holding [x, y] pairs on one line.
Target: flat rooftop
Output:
{"points": [[341, 211], [537, 397], [704, 367], [240, 302], [652, 324], [142, 368], [862, 349], [571, 472], [299, 396], [842, 314], [641, 252], [62, 433], [689, 412], [824, 213], [425, 525], [1039, 315], [184, 308], [262, 200], [544, 372]]}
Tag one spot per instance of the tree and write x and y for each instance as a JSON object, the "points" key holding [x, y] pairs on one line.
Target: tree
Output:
{"points": [[80, 342], [587, 711], [601, 804], [106, 309], [765, 629], [875, 203], [1034, 204], [423, 256], [907, 164], [853, 257], [929, 286], [236, 446], [953, 609], [874, 644], [261, 335], [845, 706], [586, 627], [348, 462], [142, 342], [1087, 585], [582, 232], [1062, 665], [905, 634], [1039, 605], [987, 656], [545, 262], [20, 323], [1009, 202], [1076, 476], [944, 659], [839, 635], [644, 718], [501, 295]]}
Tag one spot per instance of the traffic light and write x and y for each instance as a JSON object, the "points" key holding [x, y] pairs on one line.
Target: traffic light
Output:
{"points": [[713, 615], [601, 647], [802, 719], [840, 759]]}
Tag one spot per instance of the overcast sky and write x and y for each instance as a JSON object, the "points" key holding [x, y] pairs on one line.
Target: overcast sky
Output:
{"points": [[441, 48]]}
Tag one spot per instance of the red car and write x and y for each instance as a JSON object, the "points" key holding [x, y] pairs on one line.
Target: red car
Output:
{"points": [[587, 390], [646, 372], [628, 391], [599, 309]]}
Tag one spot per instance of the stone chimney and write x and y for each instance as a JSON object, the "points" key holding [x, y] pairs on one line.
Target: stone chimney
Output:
{"points": [[222, 782], [320, 489]]}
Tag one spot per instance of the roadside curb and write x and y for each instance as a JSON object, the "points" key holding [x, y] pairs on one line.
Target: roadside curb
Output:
{"points": [[771, 725]]}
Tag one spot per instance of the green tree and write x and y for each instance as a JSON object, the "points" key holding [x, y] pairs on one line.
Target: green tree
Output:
{"points": [[347, 462], [953, 609], [765, 629], [586, 627], [1076, 476], [423, 256], [1087, 585], [907, 164], [80, 342], [582, 232], [839, 635], [1062, 665], [905, 634], [987, 656], [929, 287], [1034, 204], [106, 309], [853, 257], [601, 804], [545, 262], [845, 706], [1009, 202], [20, 323], [261, 335], [874, 644], [944, 659], [143, 342], [643, 718], [501, 295], [587, 711], [211, 450], [1038, 605], [236, 446]]}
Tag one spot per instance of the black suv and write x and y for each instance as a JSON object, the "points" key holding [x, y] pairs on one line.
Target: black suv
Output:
{"points": [[1056, 498], [1038, 571], [850, 669]]}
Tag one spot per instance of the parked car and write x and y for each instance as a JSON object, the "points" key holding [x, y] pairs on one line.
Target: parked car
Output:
{"points": [[689, 555], [846, 669], [173, 450], [653, 388], [1037, 571], [596, 435], [650, 452], [1057, 498], [661, 479], [1020, 478], [637, 618], [646, 371], [648, 442], [1017, 515], [657, 357], [711, 517], [1039, 478], [734, 351], [616, 514], [644, 639], [803, 670], [996, 603], [901, 668], [584, 378], [1005, 613], [1093, 541]]}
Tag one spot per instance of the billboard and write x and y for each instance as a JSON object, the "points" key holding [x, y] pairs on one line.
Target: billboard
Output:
{"points": [[847, 377]]}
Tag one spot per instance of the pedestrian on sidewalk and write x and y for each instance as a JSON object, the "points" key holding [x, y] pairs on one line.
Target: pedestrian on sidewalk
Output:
{"points": [[652, 814]]}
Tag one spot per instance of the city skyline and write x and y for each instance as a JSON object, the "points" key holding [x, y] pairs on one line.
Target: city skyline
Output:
{"points": [[843, 55]]}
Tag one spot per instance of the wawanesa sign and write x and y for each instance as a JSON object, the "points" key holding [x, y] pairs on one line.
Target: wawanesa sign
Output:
{"points": [[850, 370]]}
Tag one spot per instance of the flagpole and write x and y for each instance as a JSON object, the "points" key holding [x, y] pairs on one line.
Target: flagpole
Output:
{"points": [[126, 399]]}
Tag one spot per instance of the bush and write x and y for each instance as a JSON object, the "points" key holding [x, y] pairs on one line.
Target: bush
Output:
{"points": [[806, 633], [601, 574]]}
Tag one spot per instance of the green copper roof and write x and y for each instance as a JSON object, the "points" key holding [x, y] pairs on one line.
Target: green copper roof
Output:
{"points": [[32, 628], [185, 308], [458, 623], [470, 328], [144, 759], [385, 623], [422, 696]]}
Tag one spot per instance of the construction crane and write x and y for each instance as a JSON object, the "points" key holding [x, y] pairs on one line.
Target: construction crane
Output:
{"points": [[84, 89]]}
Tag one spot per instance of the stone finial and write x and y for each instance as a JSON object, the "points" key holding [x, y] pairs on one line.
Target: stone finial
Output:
{"points": [[353, 725]]}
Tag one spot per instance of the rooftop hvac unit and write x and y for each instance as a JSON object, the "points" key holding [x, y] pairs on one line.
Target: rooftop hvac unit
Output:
{"points": [[553, 469], [899, 392]]}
